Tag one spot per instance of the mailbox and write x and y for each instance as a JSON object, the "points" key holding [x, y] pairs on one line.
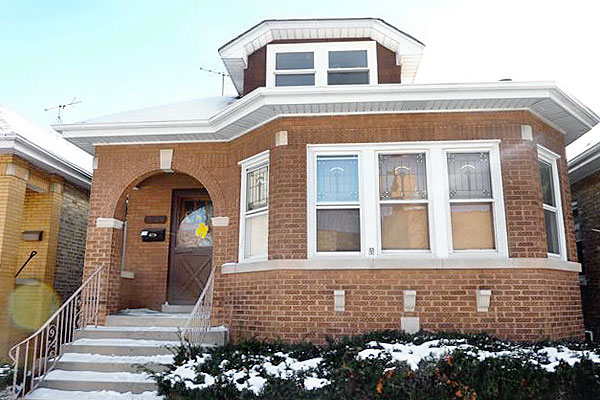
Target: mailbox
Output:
{"points": [[153, 235]]}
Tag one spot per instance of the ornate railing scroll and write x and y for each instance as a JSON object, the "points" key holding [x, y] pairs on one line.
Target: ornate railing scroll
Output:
{"points": [[199, 322], [37, 355]]}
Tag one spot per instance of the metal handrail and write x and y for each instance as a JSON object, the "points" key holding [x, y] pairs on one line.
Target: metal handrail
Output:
{"points": [[31, 255], [197, 325], [47, 342]]}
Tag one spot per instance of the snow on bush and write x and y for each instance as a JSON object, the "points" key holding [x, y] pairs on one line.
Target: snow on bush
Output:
{"points": [[411, 353], [279, 365]]}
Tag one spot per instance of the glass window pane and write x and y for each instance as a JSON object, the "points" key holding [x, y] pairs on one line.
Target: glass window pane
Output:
{"points": [[337, 178], [257, 188], [348, 59], [472, 226], [255, 241], [469, 176], [295, 80], [302, 60], [551, 232], [402, 176], [547, 183], [404, 227], [348, 78], [338, 230]]}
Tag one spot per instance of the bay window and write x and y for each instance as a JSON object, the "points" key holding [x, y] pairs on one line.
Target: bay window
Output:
{"points": [[403, 202], [338, 206], [471, 201], [254, 206], [433, 199], [551, 200]]}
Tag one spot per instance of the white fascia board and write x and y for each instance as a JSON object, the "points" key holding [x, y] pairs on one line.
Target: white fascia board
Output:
{"points": [[45, 160], [266, 98]]}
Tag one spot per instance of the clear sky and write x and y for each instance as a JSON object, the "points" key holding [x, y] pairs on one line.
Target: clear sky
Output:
{"points": [[116, 55]]}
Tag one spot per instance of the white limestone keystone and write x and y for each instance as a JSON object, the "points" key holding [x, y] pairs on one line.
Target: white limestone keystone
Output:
{"points": [[166, 159]]}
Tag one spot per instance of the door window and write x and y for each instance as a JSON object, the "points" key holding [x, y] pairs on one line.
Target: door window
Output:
{"points": [[195, 229]]}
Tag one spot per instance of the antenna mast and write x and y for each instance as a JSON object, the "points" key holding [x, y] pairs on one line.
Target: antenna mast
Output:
{"points": [[61, 107], [223, 75]]}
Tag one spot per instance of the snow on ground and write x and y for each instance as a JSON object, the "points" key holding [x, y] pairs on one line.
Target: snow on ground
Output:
{"points": [[53, 394], [547, 357], [253, 378], [125, 342], [100, 358], [92, 376]]}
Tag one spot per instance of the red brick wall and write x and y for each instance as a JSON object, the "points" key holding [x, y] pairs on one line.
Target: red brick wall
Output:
{"points": [[214, 165], [587, 192], [295, 305]]}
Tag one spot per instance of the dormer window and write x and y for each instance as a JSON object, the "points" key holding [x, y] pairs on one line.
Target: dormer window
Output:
{"points": [[322, 64], [295, 68], [348, 67]]}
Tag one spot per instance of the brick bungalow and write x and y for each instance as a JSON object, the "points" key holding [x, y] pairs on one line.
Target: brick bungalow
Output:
{"points": [[335, 196], [584, 171], [44, 195]]}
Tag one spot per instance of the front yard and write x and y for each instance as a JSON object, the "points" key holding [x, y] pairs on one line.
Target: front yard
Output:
{"points": [[387, 365]]}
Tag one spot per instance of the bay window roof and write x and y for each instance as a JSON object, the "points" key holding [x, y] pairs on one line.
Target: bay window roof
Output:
{"points": [[226, 118]]}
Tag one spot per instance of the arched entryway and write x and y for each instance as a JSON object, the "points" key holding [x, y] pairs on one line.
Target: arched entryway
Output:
{"points": [[167, 248]]}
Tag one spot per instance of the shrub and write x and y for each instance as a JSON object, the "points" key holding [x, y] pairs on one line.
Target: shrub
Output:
{"points": [[380, 365]]}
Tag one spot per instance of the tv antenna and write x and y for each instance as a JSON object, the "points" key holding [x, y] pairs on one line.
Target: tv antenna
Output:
{"points": [[61, 107], [223, 75]]}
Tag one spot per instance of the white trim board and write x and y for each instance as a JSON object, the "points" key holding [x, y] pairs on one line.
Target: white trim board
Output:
{"points": [[402, 263]]}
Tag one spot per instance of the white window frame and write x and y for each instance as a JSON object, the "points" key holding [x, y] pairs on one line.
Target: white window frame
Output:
{"points": [[500, 240], [321, 60], [440, 231], [552, 158], [428, 201], [248, 165]]}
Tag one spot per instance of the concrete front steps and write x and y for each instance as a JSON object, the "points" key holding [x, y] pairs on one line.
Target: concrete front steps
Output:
{"points": [[104, 362]]}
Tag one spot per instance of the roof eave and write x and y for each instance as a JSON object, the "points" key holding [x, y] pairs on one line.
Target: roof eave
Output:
{"points": [[47, 161]]}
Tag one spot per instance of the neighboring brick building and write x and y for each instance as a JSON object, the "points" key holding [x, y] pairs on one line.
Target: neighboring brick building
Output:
{"points": [[43, 208], [367, 201], [584, 171]]}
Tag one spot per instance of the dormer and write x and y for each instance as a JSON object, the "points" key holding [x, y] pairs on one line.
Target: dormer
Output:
{"points": [[321, 53]]}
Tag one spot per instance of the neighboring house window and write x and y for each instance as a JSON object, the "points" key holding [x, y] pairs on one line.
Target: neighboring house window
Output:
{"points": [[555, 232], [254, 219], [432, 199], [322, 64]]}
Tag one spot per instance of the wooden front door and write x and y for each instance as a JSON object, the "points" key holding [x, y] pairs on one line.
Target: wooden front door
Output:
{"points": [[190, 258]]}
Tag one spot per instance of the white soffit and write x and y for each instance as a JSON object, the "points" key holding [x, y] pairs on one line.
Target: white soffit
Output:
{"points": [[262, 105], [235, 53]]}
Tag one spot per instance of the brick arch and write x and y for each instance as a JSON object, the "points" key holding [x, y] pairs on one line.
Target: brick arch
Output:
{"points": [[202, 175]]}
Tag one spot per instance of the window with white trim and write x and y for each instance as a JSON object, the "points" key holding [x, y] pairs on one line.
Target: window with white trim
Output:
{"points": [[338, 204], [555, 236], [471, 200], [429, 199], [254, 205], [321, 64]]}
